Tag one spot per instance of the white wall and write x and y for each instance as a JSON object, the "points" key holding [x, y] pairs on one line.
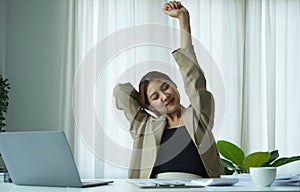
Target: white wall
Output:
{"points": [[33, 58]]}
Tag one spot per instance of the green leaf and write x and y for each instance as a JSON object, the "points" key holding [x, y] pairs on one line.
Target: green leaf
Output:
{"points": [[229, 168], [227, 164], [285, 160], [256, 159], [228, 171], [231, 152], [274, 155]]}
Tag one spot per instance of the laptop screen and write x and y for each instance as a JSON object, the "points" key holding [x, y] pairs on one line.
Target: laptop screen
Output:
{"points": [[39, 158]]}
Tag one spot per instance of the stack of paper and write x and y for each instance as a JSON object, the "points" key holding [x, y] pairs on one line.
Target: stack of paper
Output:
{"points": [[280, 180], [287, 180], [163, 183], [182, 183]]}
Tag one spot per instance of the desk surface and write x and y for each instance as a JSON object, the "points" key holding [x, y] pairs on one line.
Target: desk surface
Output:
{"points": [[121, 185]]}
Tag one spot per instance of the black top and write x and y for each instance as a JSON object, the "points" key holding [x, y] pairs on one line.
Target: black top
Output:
{"points": [[178, 153]]}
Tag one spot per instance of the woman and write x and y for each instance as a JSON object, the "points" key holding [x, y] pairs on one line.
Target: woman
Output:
{"points": [[173, 141]]}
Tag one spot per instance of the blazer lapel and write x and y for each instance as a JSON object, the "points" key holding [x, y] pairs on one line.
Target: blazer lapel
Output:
{"points": [[187, 117], [151, 144], [158, 127]]}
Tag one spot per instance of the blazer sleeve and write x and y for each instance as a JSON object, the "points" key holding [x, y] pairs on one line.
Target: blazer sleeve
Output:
{"points": [[127, 99], [195, 84]]}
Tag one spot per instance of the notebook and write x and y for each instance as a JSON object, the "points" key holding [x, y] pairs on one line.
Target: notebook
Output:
{"points": [[41, 159]]}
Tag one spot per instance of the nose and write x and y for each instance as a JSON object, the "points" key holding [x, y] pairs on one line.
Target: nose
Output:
{"points": [[164, 96]]}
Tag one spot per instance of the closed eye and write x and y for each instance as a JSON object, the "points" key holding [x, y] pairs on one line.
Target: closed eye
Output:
{"points": [[165, 86], [154, 96]]}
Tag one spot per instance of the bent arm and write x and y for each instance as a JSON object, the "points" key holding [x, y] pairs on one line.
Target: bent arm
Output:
{"points": [[127, 99]]}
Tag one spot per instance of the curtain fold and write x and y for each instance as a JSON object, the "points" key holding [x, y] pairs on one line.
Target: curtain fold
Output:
{"points": [[66, 117], [282, 45], [253, 43], [254, 103]]}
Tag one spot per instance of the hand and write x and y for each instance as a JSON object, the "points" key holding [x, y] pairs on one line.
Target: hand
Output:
{"points": [[175, 9]]}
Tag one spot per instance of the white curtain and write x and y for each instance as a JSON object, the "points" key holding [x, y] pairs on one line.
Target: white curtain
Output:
{"points": [[66, 117], [282, 45], [253, 64]]}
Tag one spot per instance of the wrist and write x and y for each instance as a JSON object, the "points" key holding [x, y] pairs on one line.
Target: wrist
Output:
{"points": [[184, 17]]}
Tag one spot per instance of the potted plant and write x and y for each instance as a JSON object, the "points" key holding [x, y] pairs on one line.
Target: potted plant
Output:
{"points": [[234, 159], [4, 101]]}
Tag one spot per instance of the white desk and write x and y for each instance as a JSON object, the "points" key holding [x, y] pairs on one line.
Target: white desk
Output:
{"points": [[121, 185]]}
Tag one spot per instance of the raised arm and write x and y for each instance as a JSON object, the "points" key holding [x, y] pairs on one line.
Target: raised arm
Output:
{"points": [[193, 76], [177, 10]]}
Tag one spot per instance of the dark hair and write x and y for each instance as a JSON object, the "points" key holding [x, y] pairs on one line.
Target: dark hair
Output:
{"points": [[144, 82]]}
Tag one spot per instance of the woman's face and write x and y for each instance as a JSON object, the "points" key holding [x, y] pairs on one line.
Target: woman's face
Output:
{"points": [[163, 97]]}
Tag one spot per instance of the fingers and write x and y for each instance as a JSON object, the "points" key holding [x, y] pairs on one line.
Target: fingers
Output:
{"points": [[178, 4], [171, 5], [167, 7], [175, 4]]}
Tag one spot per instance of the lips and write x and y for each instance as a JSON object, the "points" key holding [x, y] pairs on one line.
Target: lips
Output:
{"points": [[171, 102]]}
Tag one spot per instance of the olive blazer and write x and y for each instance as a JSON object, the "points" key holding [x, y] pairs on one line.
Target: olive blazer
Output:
{"points": [[146, 130]]}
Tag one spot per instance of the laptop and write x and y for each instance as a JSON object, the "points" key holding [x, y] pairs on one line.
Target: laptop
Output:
{"points": [[41, 159]]}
